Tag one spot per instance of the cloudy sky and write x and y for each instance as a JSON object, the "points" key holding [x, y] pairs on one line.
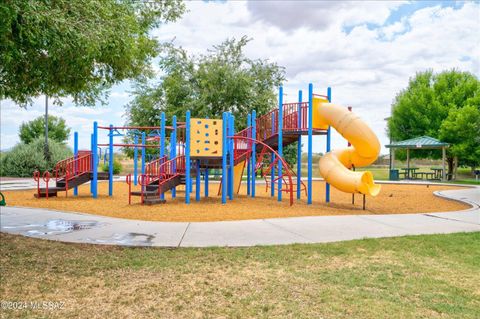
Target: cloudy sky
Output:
{"points": [[365, 51]]}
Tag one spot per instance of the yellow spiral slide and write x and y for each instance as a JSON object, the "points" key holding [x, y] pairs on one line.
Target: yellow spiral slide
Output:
{"points": [[335, 166]]}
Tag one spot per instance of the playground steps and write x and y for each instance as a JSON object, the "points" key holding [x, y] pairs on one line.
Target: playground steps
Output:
{"points": [[74, 182], [151, 194], [60, 185], [167, 184], [153, 201], [149, 197], [52, 192]]}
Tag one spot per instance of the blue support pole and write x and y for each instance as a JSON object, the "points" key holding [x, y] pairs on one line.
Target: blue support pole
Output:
{"points": [[198, 180], [173, 149], [92, 151], [232, 162], [75, 153], [310, 142], [249, 161], [95, 160], [280, 142], [162, 142], [206, 182], [229, 154], [327, 185], [299, 147], [254, 159], [224, 157], [188, 177], [272, 173], [135, 160], [110, 161], [143, 152]]}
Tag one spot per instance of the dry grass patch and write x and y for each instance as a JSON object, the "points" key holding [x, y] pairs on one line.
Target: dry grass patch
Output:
{"points": [[410, 277]]}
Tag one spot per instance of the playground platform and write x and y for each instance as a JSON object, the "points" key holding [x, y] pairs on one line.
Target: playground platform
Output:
{"points": [[85, 228]]}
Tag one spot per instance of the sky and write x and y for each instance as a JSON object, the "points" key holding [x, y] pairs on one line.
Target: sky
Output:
{"points": [[365, 51]]}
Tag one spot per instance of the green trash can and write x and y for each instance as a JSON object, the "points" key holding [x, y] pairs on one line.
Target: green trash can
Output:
{"points": [[394, 176]]}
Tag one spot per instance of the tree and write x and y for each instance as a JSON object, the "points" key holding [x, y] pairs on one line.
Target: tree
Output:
{"points": [[440, 105], [58, 130], [23, 158], [462, 129], [222, 80], [77, 48]]}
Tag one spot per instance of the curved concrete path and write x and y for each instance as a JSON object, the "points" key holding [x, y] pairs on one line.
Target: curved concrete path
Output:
{"points": [[85, 228]]}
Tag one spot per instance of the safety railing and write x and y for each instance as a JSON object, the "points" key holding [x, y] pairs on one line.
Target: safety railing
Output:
{"points": [[167, 170], [161, 172], [45, 177], [266, 125], [242, 147], [172, 167], [74, 166], [143, 180], [295, 118], [154, 167]]}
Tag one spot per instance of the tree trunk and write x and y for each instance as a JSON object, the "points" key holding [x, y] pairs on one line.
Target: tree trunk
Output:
{"points": [[46, 149], [455, 167], [450, 160]]}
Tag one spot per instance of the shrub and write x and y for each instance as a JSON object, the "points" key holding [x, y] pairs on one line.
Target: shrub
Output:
{"points": [[117, 167], [23, 159]]}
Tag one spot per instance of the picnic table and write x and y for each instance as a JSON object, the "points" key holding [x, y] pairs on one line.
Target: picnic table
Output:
{"points": [[438, 172], [409, 172], [425, 175]]}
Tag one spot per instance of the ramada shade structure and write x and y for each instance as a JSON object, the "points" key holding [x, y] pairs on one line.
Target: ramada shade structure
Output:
{"points": [[422, 142]]}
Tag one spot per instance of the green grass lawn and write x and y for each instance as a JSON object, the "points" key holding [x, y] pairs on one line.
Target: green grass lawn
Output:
{"points": [[433, 276]]}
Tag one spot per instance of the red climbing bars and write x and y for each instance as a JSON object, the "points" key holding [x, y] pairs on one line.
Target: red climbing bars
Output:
{"points": [[288, 177]]}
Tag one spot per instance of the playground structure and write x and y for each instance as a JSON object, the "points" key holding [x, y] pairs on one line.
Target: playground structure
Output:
{"points": [[196, 146]]}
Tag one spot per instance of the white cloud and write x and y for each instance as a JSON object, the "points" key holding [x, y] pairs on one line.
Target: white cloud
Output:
{"points": [[321, 15]]}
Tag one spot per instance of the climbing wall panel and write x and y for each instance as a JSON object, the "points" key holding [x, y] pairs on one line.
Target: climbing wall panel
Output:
{"points": [[206, 137]]}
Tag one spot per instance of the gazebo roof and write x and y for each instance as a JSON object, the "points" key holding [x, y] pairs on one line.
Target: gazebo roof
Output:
{"points": [[419, 143]]}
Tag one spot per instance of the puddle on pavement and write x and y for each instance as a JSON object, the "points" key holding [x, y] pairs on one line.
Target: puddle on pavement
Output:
{"points": [[53, 227], [128, 239]]}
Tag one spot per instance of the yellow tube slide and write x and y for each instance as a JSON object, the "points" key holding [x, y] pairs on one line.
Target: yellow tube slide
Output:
{"points": [[335, 166]]}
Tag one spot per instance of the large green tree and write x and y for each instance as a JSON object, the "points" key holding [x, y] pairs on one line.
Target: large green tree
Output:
{"points": [[445, 106], [32, 130], [222, 80], [77, 48]]}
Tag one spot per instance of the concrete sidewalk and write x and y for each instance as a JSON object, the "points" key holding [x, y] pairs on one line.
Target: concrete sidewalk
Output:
{"points": [[85, 228]]}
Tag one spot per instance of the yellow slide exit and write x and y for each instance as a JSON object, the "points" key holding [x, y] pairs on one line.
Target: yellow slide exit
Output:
{"points": [[335, 165], [237, 177]]}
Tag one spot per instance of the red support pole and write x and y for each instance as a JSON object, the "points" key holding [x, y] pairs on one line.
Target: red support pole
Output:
{"points": [[66, 183], [36, 177], [46, 179], [128, 179]]}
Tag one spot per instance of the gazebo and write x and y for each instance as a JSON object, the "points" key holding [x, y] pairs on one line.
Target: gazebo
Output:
{"points": [[417, 143]]}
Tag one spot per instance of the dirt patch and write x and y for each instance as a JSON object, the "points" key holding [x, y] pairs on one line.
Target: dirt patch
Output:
{"points": [[393, 199]]}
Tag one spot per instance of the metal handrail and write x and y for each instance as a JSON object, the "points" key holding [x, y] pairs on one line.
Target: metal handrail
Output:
{"points": [[73, 166]]}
